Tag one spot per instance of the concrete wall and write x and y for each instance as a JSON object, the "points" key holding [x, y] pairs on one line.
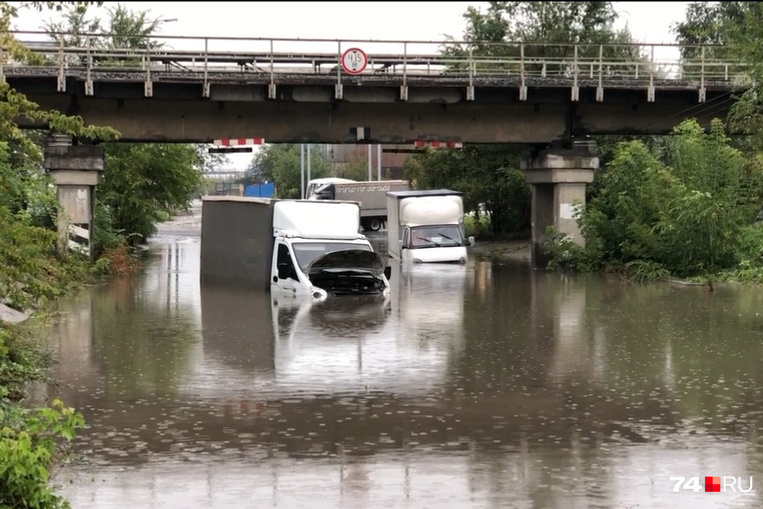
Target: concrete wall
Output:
{"points": [[236, 241]]}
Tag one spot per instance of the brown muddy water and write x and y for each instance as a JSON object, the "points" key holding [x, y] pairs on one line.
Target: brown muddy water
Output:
{"points": [[490, 385]]}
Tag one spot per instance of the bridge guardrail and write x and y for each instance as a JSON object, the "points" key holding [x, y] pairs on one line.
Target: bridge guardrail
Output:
{"points": [[97, 57]]}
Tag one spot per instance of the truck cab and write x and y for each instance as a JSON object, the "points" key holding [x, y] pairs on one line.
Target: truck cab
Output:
{"points": [[318, 252], [427, 227], [433, 243]]}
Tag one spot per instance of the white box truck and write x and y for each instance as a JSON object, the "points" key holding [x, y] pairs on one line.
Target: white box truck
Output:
{"points": [[426, 226], [291, 247], [372, 196]]}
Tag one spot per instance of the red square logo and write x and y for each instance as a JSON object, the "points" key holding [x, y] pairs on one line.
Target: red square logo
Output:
{"points": [[713, 484]]}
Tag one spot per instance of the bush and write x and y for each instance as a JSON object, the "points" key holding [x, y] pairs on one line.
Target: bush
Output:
{"points": [[29, 443]]}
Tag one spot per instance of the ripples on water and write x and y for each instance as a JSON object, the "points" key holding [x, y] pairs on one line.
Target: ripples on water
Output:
{"points": [[477, 386]]}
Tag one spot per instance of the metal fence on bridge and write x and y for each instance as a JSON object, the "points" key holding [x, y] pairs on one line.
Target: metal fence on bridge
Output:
{"points": [[234, 60]]}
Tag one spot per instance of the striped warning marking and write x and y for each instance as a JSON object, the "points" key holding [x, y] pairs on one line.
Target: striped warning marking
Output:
{"points": [[437, 144], [235, 142]]}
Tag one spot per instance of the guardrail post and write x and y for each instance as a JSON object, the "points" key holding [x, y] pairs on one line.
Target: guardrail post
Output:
{"points": [[650, 90], [149, 86], [404, 87], [205, 90], [522, 83], [338, 86], [575, 88], [89, 68], [61, 76], [702, 89], [470, 89], [272, 84], [600, 88]]}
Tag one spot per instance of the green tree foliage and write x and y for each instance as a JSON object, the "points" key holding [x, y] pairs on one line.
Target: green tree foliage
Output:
{"points": [[143, 182], [560, 31], [122, 29], [707, 36], [685, 209], [280, 163], [28, 447], [489, 177]]}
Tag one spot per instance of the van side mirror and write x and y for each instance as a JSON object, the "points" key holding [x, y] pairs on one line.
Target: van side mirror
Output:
{"points": [[470, 240]]}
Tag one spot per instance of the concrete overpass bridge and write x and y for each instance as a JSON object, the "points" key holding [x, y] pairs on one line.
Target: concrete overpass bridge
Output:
{"points": [[200, 89]]}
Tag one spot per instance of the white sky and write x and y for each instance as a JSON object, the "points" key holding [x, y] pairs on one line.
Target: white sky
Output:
{"points": [[649, 22]]}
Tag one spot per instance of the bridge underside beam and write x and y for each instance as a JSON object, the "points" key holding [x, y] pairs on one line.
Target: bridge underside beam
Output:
{"points": [[311, 113]]}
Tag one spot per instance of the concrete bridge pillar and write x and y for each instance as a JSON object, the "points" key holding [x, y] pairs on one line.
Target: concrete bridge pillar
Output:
{"points": [[559, 178], [76, 170]]}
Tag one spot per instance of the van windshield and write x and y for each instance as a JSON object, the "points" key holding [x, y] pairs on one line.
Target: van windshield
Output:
{"points": [[307, 252], [446, 235]]}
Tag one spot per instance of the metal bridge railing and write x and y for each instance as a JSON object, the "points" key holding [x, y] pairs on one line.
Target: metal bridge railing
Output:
{"points": [[94, 57]]}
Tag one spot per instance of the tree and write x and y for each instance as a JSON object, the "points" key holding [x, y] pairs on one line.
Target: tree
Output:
{"points": [[707, 36], [143, 182], [123, 28], [280, 163], [489, 177], [562, 31]]}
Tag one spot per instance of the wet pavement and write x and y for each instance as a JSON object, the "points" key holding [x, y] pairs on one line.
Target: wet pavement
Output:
{"points": [[485, 385]]}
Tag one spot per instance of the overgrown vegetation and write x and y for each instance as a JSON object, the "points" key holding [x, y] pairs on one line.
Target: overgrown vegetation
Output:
{"points": [[143, 184], [683, 207]]}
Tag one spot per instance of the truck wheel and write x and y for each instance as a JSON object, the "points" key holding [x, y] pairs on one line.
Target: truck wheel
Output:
{"points": [[375, 224]]}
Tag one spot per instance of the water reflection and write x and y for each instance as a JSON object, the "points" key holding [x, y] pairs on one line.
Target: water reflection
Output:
{"points": [[473, 386]]}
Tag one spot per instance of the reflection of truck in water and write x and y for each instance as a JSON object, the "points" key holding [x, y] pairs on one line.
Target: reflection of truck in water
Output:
{"points": [[372, 196], [426, 226], [293, 247]]}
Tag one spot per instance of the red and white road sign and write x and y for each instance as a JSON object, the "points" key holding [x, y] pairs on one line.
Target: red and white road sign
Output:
{"points": [[354, 61]]}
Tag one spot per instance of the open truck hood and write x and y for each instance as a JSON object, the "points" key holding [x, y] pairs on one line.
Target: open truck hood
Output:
{"points": [[350, 271], [349, 260]]}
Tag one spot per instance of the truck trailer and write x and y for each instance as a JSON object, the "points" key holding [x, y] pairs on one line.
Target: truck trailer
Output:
{"points": [[426, 226], [372, 196], [290, 247]]}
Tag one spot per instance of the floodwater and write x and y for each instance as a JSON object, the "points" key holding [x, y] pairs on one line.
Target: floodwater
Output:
{"points": [[484, 386]]}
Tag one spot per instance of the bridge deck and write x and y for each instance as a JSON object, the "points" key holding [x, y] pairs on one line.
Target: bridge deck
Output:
{"points": [[389, 63]]}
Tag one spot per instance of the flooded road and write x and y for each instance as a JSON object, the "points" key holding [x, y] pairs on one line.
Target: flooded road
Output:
{"points": [[483, 386]]}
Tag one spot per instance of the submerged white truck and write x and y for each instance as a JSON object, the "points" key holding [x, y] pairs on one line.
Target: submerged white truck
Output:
{"points": [[290, 247], [426, 226]]}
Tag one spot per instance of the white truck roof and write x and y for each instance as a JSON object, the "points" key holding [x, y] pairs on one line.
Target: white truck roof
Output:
{"points": [[431, 210], [317, 219]]}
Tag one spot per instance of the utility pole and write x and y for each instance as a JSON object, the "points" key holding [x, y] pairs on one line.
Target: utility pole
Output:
{"points": [[302, 168], [308, 164], [378, 161], [369, 161]]}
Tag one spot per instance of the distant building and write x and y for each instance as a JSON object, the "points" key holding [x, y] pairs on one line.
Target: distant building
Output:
{"points": [[343, 156]]}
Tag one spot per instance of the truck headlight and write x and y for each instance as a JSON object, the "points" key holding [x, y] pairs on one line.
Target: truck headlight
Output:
{"points": [[318, 294]]}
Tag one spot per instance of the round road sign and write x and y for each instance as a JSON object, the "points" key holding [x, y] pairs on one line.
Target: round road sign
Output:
{"points": [[354, 61]]}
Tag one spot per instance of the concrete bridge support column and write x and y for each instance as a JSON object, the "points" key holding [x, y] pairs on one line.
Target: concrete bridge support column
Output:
{"points": [[76, 171], [559, 178]]}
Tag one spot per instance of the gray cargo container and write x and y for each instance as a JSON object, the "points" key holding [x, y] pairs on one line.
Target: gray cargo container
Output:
{"points": [[372, 196]]}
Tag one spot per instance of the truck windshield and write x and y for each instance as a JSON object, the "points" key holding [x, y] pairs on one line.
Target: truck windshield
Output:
{"points": [[307, 252], [447, 235]]}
